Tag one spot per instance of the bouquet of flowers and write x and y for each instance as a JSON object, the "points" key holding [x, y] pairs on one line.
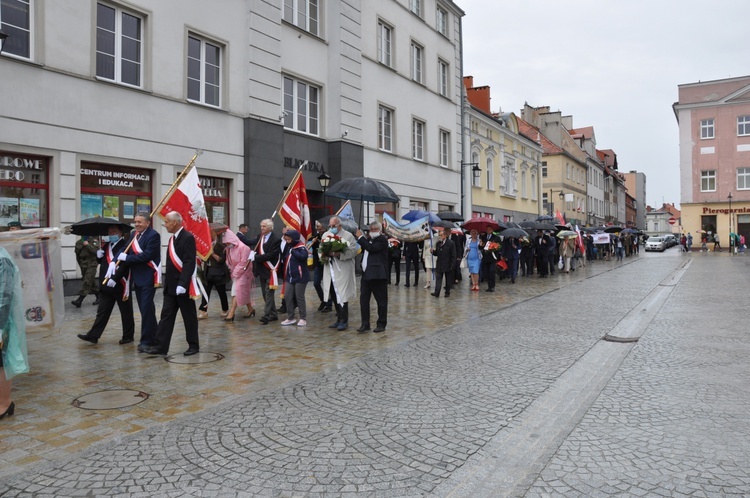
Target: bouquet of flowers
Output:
{"points": [[492, 247], [329, 245]]}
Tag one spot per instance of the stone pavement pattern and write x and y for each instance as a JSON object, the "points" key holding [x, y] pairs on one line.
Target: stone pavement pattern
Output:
{"points": [[403, 414]]}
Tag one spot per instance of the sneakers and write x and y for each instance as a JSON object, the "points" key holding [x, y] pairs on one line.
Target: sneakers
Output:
{"points": [[289, 321], [302, 323]]}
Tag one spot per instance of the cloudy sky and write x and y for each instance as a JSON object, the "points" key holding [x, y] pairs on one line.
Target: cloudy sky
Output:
{"points": [[614, 65]]}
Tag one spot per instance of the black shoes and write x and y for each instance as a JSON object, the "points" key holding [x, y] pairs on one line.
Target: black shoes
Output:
{"points": [[379, 329], [322, 306], [334, 325], [10, 411], [282, 308], [154, 350], [96, 301], [125, 340], [407, 284], [87, 338], [265, 319], [77, 303], [436, 294], [490, 290], [190, 352], [447, 294], [326, 309], [363, 329]]}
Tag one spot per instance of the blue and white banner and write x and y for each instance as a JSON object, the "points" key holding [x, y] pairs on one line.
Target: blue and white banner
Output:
{"points": [[416, 231]]}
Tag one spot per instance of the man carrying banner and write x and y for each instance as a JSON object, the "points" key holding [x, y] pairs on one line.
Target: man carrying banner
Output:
{"points": [[143, 261], [180, 287], [266, 256]]}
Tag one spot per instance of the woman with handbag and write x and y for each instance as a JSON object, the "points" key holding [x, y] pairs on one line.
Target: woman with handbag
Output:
{"points": [[215, 275], [241, 274]]}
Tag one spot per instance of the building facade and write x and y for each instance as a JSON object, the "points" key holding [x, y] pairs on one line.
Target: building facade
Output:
{"points": [[714, 128], [635, 183]]}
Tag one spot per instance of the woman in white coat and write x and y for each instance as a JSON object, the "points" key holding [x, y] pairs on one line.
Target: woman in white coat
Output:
{"points": [[429, 259], [339, 277]]}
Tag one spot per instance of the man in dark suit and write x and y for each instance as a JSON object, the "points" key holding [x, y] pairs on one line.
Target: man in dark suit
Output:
{"points": [[116, 290], [411, 255], [374, 277], [144, 260], [459, 241], [178, 280], [489, 257], [266, 255], [445, 251], [542, 248]]}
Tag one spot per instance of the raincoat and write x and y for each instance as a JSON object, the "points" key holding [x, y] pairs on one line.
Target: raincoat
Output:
{"points": [[240, 268], [340, 271], [12, 324]]}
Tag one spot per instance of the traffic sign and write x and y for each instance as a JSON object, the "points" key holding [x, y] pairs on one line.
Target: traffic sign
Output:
{"points": [[672, 221]]}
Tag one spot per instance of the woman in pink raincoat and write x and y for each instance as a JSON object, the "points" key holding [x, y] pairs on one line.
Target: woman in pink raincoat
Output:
{"points": [[241, 272]]}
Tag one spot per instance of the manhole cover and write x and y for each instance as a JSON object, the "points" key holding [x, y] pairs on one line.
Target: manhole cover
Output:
{"points": [[109, 400], [196, 358]]}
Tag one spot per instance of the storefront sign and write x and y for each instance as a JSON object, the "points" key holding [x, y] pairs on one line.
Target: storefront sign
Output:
{"points": [[16, 166], [213, 187], [114, 177], [290, 162], [724, 211]]}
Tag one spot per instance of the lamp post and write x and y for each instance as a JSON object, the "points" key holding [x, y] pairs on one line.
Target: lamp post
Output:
{"points": [[475, 174], [731, 238], [325, 181], [3, 36], [551, 204]]}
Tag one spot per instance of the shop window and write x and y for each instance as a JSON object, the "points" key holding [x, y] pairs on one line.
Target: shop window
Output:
{"points": [[216, 197], [114, 191], [24, 190]]}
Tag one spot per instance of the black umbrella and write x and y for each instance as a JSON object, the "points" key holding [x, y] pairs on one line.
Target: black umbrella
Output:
{"points": [[562, 227], [97, 226], [444, 224], [514, 232], [527, 224], [613, 229], [544, 226], [450, 216], [546, 217], [513, 224], [629, 230], [363, 189]]}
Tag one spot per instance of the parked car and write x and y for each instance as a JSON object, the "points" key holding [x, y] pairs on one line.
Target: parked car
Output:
{"points": [[671, 240], [656, 244]]}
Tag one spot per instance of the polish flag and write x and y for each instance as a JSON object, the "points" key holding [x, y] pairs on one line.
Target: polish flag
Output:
{"points": [[295, 210], [560, 217], [187, 199]]}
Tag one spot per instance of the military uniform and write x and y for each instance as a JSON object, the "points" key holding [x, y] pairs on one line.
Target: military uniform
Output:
{"points": [[86, 258]]}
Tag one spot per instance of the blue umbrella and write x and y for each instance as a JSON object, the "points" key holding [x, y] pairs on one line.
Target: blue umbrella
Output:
{"points": [[417, 214]]}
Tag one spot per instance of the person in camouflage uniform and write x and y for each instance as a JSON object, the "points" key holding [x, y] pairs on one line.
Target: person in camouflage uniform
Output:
{"points": [[86, 253]]}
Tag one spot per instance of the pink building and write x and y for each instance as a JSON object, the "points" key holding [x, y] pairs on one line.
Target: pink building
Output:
{"points": [[714, 127]]}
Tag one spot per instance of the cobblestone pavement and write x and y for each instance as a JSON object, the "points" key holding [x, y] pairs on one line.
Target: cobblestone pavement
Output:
{"points": [[512, 393]]}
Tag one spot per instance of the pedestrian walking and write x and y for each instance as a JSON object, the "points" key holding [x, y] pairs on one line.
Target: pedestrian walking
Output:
{"points": [[266, 256], [326, 305], [445, 257], [338, 249], [116, 290], [489, 245], [717, 243], [374, 277], [86, 253], [13, 354], [510, 252], [394, 259], [567, 250], [296, 277], [216, 276], [412, 255], [179, 281], [473, 258], [144, 260], [541, 248]]}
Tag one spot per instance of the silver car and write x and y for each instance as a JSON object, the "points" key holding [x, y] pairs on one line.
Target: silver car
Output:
{"points": [[656, 244]]}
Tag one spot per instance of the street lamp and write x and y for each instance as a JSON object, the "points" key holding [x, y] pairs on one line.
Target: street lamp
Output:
{"points": [[325, 181], [3, 36], [475, 174], [551, 204]]}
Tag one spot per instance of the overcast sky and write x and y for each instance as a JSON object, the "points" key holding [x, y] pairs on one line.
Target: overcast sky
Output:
{"points": [[614, 65]]}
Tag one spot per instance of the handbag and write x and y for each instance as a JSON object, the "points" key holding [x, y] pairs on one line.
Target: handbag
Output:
{"points": [[217, 274], [560, 264]]}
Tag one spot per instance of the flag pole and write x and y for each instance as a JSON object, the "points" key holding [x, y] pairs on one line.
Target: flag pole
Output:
{"points": [[185, 170], [286, 194]]}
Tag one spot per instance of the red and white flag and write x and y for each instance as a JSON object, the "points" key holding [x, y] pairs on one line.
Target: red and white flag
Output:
{"points": [[295, 210], [187, 199], [560, 217]]}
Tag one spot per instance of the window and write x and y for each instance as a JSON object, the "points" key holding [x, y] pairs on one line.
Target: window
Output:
{"points": [[445, 138], [303, 14], [15, 21], [490, 174], [707, 128], [533, 186], [119, 45], [416, 62], [204, 71], [708, 181], [300, 106], [417, 140], [385, 129], [743, 126], [523, 184], [384, 43], [567, 171], [544, 169], [743, 178], [441, 22], [443, 77], [416, 7]]}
